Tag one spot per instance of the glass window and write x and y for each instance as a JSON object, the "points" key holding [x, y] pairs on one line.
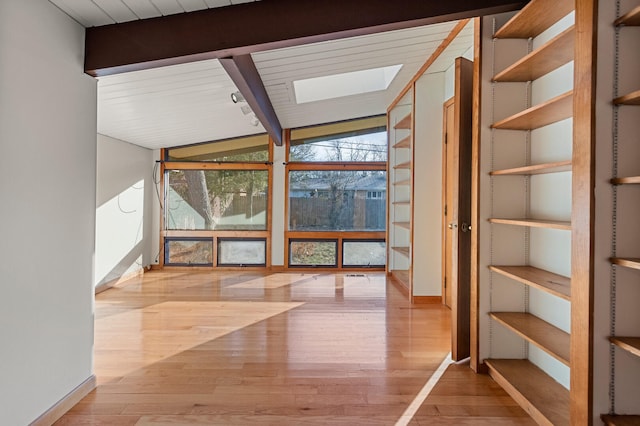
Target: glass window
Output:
{"points": [[337, 200], [364, 253], [313, 252], [247, 149], [352, 141], [216, 199], [242, 252], [188, 251]]}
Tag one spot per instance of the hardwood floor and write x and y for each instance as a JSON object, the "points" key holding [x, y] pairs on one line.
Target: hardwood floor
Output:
{"points": [[231, 348]]}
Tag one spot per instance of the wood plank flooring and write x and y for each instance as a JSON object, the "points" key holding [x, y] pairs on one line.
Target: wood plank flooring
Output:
{"points": [[240, 348]]}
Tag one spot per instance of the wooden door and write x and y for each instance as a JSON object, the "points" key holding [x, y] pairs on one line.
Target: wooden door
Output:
{"points": [[457, 205]]}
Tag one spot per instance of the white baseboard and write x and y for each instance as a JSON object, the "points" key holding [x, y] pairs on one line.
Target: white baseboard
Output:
{"points": [[65, 404]]}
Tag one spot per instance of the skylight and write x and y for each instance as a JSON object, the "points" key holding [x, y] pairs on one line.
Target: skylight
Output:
{"points": [[346, 84]]}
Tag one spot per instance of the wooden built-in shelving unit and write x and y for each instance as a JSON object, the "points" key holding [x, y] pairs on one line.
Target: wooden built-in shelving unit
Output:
{"points": [[549, 112], [547, 401], [555, 53], [400, 173], [623, 284], [534, 223], [536, 169], [534, 381], [546, 281]]}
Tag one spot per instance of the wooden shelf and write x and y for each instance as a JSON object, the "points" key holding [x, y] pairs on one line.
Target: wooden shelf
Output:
{"points": [[627, 262], [625, 420], [402, 250], [551, 55], [551, 111], [543, 398], [535, 18], [401, 203], [631, 18], [403, 143], [536, 169], [629, 180], [401, 277], [406, 165], [629, 344], [534, 223], [404, 123], [403, 182], [547, 337], [632, 98], [405, 225], [546, 281]]}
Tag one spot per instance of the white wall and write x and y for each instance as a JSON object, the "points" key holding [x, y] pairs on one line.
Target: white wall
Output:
{"points": [[48, 154], [427, 208], [124, 195], [278, 218]]}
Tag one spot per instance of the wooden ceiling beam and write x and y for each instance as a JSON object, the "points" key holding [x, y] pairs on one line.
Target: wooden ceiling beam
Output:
{"points": [[244, 74], [257, 26]]}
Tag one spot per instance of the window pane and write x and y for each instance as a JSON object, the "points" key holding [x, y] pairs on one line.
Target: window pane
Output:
{"points": [[216, 199], [249, 149], [188, 252], [242, 252], [337, 200], [312, 253], [364, 253], [351, 146]]}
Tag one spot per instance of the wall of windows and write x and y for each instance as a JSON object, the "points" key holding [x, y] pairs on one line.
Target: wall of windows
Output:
{"points": [[330, 200], [217, 206], [336, 195]]}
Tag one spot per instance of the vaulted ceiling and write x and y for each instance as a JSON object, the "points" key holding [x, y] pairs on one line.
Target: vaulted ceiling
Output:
{"points": [[189, 101]]}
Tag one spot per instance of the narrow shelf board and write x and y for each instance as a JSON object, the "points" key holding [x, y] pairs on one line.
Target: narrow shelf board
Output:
{"points": [[403, 143], [404, 123], [628, 180], [546, 400], [551, 111], [405, 165], [551, 55], [629, 344], [546, 281], [534, 18], [403, 182], [536, 169], [547, 337], [627, 262], [622, 420], [401, 203], [401, 250], [632, 98], [402, 277], [631, 18], [405, 225], [534, 223]]}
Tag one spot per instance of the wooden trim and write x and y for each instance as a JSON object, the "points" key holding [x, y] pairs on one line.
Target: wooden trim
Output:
{"points": [[441, 48], [426, 300], [475, 362], [116, 281], [212, 233], [195, 165], [66, 403], [337, 165], [336, 235], [401, 280], [447, 104], [163, 152], [583, 213]]}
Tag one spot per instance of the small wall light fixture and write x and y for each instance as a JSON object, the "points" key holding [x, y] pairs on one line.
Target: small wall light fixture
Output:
{"points": [[237, 97]]}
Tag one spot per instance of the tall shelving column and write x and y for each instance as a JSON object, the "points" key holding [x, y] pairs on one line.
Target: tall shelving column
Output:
{"points": [[401, 191], [528, 287], [624, 327]]}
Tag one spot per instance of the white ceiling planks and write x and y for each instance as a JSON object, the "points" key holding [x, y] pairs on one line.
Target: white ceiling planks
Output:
{"points": [[91, 13], [280, 68], [177, 105]]}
